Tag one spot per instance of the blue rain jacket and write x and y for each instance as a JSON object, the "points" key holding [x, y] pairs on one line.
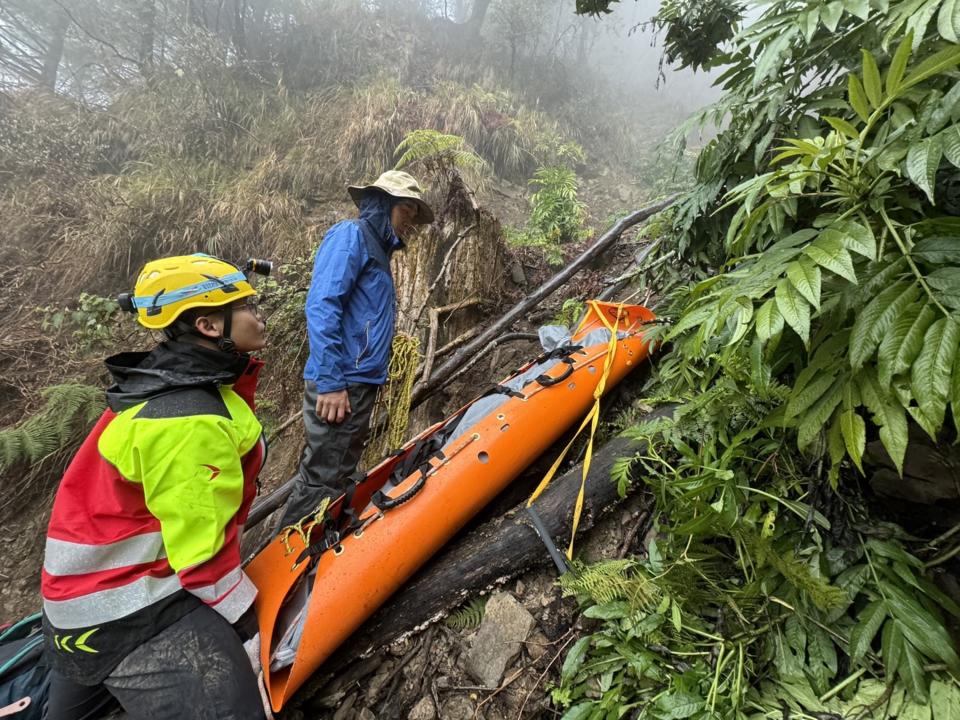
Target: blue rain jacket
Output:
{"points": [[351, 305]]}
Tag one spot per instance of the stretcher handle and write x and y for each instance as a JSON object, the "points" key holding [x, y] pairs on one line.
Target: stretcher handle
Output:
{"points": [[385, 502], [547, 381]]}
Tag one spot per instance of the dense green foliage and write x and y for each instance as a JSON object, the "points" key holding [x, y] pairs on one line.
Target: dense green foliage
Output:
{"points": [[823, 224], [556, 215]]}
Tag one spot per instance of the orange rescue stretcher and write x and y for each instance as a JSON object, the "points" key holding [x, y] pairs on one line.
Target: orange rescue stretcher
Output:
{"points": [[317, 587]]}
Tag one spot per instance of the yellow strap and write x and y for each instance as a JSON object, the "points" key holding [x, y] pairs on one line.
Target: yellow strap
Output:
{"points": [[592, 418]]}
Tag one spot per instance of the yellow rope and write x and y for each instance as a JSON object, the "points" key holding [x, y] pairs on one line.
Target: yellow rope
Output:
{"points": [[592, 418], [394, 398], [298, 527]]}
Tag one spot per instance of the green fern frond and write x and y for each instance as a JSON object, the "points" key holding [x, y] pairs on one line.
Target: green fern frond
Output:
{"points": [[799, 574], [69, 411], [469, 616], [609, 581]]}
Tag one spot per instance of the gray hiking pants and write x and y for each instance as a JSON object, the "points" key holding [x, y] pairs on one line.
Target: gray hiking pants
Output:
{"points": [[331, 452], [195, 669]]}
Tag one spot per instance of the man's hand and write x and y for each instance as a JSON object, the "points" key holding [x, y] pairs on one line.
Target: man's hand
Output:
{"points": [[333, 407]]}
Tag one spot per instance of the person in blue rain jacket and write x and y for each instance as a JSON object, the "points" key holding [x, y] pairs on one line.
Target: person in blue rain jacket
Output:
{"points": [[350, 313]]}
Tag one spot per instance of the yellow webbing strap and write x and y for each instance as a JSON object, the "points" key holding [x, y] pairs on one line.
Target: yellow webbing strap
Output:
{"points": [[592, 418]]}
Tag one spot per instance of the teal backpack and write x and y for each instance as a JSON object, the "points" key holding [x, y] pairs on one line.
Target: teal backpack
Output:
{"points": [[24, 679]]}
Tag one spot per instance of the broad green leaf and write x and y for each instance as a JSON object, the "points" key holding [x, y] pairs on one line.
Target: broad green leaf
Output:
{"points": [[842, 126], [812, 392], [876, 318], [898, 64], [678, 705], [580, 711], [871, 79], [859, 8], [944, 700], [854, 432], [940, 250], [773, 55], [574, 659], [828, 252], [933, 65], [946, 281], [867, 627], [743, 316], [950, 140], [810, 20], [891, 648], [769, 321], [857, 97], [794, 309], [888, 414], [912, 674], [855, 237], [920, 628], [795, 239], [948, 21], [805, 277], [923, 159], [932, 370], [903, 343], [813, 421], [921, 12], [608, 611], [830, 15]]}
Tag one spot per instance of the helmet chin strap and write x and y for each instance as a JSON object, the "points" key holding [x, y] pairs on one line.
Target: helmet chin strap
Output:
{"points": [[179, 328], [224, 342]]}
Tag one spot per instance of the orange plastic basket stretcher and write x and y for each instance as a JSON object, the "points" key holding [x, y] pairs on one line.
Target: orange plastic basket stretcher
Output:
{"points": [[370, 552]]}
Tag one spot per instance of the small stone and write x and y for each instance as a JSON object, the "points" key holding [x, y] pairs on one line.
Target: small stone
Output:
{"points": [[537, 645], [345, 707], [517, 275], [506, 624], [457, 708], [520, 588], [366, 714], [423, 710]]}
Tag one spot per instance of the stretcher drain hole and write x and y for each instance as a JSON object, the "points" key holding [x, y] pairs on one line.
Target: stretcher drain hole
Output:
{"points": [[483, 457], [338, 550], [500, 416], [504, 428]]}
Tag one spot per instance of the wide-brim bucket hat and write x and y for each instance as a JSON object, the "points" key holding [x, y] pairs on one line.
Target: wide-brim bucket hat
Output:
{"points": [[400, 185]]}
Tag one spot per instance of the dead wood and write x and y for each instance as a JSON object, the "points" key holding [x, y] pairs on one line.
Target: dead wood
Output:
{"points": [[481, 343]]}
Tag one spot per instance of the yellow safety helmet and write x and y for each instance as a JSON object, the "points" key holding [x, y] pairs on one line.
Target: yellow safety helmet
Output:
{"points": [[168, 287]]}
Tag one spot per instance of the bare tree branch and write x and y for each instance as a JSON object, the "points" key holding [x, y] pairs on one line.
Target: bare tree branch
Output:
{"points": [[95, 38]]}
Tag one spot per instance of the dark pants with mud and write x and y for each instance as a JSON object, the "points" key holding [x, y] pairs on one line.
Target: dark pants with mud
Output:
{"points": [[195, 669], [331, 453]]}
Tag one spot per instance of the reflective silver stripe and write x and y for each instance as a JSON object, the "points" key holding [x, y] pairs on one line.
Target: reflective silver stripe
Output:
{"points": [[237, 600], [69, 558], [107, 605], [211, 593]]}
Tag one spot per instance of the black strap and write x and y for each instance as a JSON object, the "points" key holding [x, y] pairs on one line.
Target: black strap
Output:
{"points": [[562, 351], [384, 502], [504, 390], [558, 559], [547, 381]]}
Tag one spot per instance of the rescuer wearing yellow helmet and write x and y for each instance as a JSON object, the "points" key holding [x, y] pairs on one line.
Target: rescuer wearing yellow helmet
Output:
{"points": [[144, 597]]}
